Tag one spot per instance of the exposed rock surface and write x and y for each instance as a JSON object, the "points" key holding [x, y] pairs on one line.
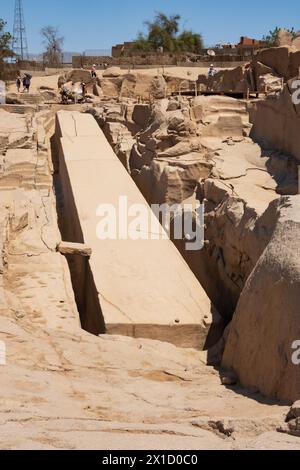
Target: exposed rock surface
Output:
{"points": [[65, 389], [200, 149], [266, 322], [62, 388], [78, 75], [263, 75], [287, 38], [276, 122], [238, 80], [112, 72]]}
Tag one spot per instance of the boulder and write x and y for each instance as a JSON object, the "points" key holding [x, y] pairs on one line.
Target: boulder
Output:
{"points": [[143, 86], [284, 38], [292, 428], [276, 124], [112, 72], [277, 58], [237, 80], [260, 70], [141, 114], [266, 323], [269, 83], [202, 83], [79, 75], [176, 84], [173, 105], [111, 87], [61, 81], [296, 42], [294, 412], [294, 64], [49, 95], [97, 91], [128, 85], [158, 87]]}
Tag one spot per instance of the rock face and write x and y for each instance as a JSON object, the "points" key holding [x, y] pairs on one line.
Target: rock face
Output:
{"points": [[276, 122], [284, 61], [143, 86], [199, 149], [238, 80], [78, 76], [277, 58], [241, 186], [110, 87], [263, 74], [286, 38], [266, 323], [63, 388]]}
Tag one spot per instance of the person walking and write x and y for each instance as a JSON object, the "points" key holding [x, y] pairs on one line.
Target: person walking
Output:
{"points": [[27, 83], [18, 83], [93, 71], [24, 84]]}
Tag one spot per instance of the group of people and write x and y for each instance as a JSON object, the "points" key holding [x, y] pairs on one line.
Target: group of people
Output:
{"points": [[73, 94], [25, 82]]}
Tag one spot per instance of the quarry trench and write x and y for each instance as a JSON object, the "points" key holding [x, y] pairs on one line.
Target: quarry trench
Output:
{"points": [[236, 177], [235, 231], [223, 294], [224, 291], [188, 327]]}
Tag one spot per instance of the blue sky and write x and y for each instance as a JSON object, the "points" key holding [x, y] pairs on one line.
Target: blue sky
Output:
{"points": [[97, 24]]}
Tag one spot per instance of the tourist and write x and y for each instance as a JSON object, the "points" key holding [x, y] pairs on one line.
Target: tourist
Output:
{"points": [[26, 83], [211, 71], [83, 87], [64, 94], [18, 84], [93, 71]]}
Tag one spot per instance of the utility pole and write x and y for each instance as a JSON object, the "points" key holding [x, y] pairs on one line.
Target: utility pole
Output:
{"points": [[19, 45]]}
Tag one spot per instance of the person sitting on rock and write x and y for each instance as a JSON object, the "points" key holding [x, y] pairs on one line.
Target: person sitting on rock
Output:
{"points": [[211, 71]]}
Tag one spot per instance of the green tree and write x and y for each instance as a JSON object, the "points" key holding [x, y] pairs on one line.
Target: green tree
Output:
{"points": [[163, 32], [190, 42], [5, 42]]}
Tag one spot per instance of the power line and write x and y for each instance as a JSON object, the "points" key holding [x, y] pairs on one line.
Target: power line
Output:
{"points": [[20, 45]]}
